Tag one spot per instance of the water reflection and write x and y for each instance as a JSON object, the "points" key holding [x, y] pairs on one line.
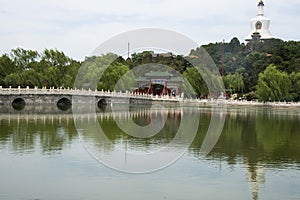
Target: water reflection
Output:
{"points": [[257, 139], [28, 133], [125, 140], [256, 135]]}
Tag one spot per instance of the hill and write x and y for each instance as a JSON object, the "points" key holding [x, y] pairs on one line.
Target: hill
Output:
{"points": [[268, 70]]}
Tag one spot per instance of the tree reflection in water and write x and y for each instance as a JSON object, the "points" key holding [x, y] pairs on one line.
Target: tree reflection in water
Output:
{"points": [[259, 139]]}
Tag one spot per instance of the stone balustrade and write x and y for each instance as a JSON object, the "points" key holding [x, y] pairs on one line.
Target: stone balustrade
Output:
{"points": [[54, 95], [61, 92]]}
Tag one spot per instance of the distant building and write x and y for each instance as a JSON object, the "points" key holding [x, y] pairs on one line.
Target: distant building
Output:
{"points": [[259, 25], [165, 55], [159, 83]]}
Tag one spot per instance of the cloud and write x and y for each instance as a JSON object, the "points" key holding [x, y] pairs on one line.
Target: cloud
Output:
{"points": [[77, 27]]}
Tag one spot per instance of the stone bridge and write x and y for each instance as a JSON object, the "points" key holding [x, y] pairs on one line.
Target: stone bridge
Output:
{"points": [[19, 97]]}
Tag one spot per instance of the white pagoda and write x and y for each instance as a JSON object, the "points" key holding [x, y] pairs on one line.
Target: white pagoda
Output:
{"points": [[260, 25]]}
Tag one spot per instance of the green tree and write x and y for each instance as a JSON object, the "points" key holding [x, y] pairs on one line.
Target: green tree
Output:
{"points": [[58, 69], [6, 67], [24, 59], [273, 85], [24, 68], [295, 90], [112, 75], [13, 80], [103, 73], [192, 75], [141, 58], [92, 70], [31, 78], [255, 63], [234, 82]]}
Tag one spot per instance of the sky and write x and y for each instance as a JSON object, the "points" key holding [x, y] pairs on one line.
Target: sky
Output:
{"points": [[78, 27]]}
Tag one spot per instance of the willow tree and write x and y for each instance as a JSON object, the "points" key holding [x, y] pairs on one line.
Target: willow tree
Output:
{"points": [[234, 82], [273, 85], [295, 90], [193, 77]]}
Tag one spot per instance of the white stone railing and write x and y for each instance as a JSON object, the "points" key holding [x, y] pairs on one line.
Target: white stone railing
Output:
{"points": [[82, 92], [258, 103], [129, 94]]}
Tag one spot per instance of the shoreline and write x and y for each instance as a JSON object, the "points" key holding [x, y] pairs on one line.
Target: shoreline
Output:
{"points": [[53, 96], [238, 103]]}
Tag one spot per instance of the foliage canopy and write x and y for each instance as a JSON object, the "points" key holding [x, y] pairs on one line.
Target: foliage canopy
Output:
{"points": [[269, 69]]}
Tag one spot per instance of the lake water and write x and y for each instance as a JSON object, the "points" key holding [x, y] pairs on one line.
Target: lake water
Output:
{"points": [[50, 154]]}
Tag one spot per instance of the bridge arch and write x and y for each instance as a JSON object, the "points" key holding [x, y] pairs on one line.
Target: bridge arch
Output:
{"points": [[64, 103], [102, 102], [18, 103]]}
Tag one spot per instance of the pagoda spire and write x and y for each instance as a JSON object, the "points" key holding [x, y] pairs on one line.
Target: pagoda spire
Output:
{"points": [[259, 25], [261, 3], [260, 8]]}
